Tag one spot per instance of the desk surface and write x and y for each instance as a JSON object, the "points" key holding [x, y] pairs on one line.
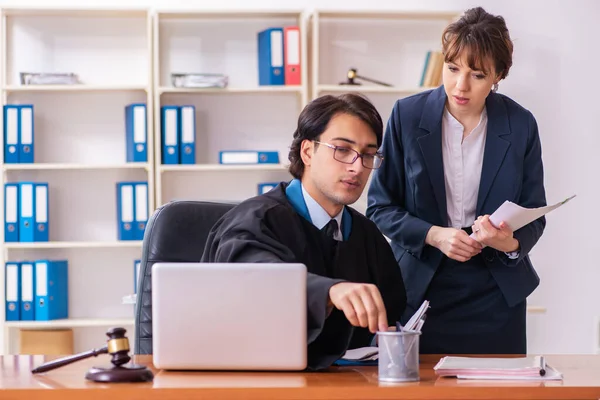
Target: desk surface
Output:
{"points": [[581, 381]]}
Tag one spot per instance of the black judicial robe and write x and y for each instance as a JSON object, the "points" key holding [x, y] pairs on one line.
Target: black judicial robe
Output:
{"points": [[276, 227]]}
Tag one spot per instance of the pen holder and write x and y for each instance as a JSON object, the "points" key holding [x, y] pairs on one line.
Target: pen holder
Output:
{"points": [[398, 356]]}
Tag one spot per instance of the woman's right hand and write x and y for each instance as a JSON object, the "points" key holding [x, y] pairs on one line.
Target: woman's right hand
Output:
{"points": [[454, 243]]}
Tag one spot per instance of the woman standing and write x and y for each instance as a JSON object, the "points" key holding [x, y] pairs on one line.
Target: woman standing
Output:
{"points": [[453, 155]]}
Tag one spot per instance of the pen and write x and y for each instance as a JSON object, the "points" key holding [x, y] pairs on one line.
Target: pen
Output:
{"points": [[542, 366]]}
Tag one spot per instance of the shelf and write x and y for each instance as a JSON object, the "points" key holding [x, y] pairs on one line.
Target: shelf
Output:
{"points": [[73, 88], [223, 167], [72, 245], [95, 12], [71, 323], [391, 14], [71, 166], [250, 90], [371, 89], [224, 14]]}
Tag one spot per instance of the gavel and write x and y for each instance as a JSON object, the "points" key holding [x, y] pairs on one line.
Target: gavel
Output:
{"points": [[120, 371], [352, 75]]}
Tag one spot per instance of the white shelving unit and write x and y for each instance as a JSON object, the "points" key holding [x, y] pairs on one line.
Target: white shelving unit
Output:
{"points": [[243, 116], [344, 40], [79, 145]]}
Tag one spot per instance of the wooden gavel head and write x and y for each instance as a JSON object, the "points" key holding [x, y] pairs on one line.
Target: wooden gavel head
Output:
{"points": [[118, 346]]}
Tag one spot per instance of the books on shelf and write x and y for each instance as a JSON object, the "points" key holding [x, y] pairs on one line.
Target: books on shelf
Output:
{"points": [[26, 212], [432, 70], [279, 56]]}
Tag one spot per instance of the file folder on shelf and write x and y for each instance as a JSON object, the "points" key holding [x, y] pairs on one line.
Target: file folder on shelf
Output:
{"points": [[141, 210], [11, 134], [27, 292], [170, 134], [51, 290], [40, 233], [136, 132], [187, 129], [292, 55], [26, 126], [270, 57], [125, 210], [11, 212], [248, 157], [266, 187], [26, 211], [12, 287]]}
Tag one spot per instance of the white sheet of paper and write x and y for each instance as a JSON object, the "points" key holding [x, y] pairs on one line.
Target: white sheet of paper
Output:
{"points": [[517, 217]]}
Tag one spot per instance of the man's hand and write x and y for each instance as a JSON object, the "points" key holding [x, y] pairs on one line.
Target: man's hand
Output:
{"points": [[455, 243], [361, 303], [500, 238]]}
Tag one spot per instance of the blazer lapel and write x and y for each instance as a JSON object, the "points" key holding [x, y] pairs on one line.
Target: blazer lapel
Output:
{"points": [[495, 146], [431, 147]]}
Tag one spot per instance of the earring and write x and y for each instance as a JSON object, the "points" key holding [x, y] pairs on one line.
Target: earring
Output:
{"points": [[495, 87]]}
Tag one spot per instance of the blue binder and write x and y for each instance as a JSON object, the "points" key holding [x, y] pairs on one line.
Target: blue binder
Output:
{"points": [[125, 210], [11, 134], [26, 211], [27, 291], [266, 187], [136, 274], [26, 129], [136, 132], [187, 130], [11, 212], [40, 232], [51, 290], [141, 209], [248, 157], [270, 57], [12, 295], [170, 134]]}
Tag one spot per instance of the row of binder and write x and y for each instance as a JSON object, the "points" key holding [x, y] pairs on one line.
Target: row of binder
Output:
{"points": [[178, 133], [279, 56], [18, 133], [26, 212], [132, 210], [37, 290]]}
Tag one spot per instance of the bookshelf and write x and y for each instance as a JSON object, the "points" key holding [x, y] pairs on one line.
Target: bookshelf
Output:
{"points": [[345, 39], [242, 116], [79, 150]]}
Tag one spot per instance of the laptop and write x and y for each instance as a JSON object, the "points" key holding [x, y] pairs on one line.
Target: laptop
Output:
{"points": [[229, 316]]}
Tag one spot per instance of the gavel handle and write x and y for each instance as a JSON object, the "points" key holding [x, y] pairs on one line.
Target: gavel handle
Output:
{"points": [[68, 360], [373, 81]]}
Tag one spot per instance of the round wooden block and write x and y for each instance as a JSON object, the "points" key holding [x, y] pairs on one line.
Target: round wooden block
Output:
{"points": [[124, 373]]}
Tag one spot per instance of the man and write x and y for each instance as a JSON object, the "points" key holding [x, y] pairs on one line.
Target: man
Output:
{"points": [[354, 285]]}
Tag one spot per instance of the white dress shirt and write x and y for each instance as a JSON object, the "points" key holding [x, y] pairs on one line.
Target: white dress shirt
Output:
{"points": [[463, 161], [319, 216]]}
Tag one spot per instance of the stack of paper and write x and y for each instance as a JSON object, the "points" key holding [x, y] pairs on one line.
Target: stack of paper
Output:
{"points": [[521, 368]]}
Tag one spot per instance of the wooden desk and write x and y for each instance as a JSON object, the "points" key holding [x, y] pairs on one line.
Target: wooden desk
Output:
{"points": [[581, 381]]}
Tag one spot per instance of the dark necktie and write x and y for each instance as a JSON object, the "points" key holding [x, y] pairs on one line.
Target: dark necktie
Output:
{"points": [[331, 228]]}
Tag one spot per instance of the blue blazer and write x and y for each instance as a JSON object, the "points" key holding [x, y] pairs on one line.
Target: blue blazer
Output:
{"points": [[407, 194]]}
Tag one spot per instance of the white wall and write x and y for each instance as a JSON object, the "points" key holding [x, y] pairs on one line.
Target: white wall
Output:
{"points": [[553, 75]]}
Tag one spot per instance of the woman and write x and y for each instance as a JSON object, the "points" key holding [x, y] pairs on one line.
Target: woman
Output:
{"points": [[453, 155]]}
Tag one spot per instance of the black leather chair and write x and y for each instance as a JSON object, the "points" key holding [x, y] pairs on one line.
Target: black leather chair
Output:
{"points": [[176, 232]]}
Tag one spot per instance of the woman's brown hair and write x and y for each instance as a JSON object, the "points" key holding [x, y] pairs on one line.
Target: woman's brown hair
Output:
{"points": [[482, 37]]}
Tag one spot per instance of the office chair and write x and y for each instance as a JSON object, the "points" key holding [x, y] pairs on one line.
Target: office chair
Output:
{"points": [[176, 232]]}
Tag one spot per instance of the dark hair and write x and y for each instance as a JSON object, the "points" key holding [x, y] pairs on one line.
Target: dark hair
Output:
{"points": [[484, 36], [315, 117]]}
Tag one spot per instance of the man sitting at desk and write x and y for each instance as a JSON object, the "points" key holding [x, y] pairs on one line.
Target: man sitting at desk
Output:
{"points": [[354, 284]]}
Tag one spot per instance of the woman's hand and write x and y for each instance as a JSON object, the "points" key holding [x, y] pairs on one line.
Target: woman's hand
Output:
{"points": [[455, 243], [500, 238]]}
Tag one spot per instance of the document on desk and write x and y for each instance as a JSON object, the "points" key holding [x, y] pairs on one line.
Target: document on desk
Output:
{"points": [[517, 217], [490, 368]]}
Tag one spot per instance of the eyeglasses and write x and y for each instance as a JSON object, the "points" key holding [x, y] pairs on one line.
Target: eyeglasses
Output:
{"points": [[347, 155]]}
